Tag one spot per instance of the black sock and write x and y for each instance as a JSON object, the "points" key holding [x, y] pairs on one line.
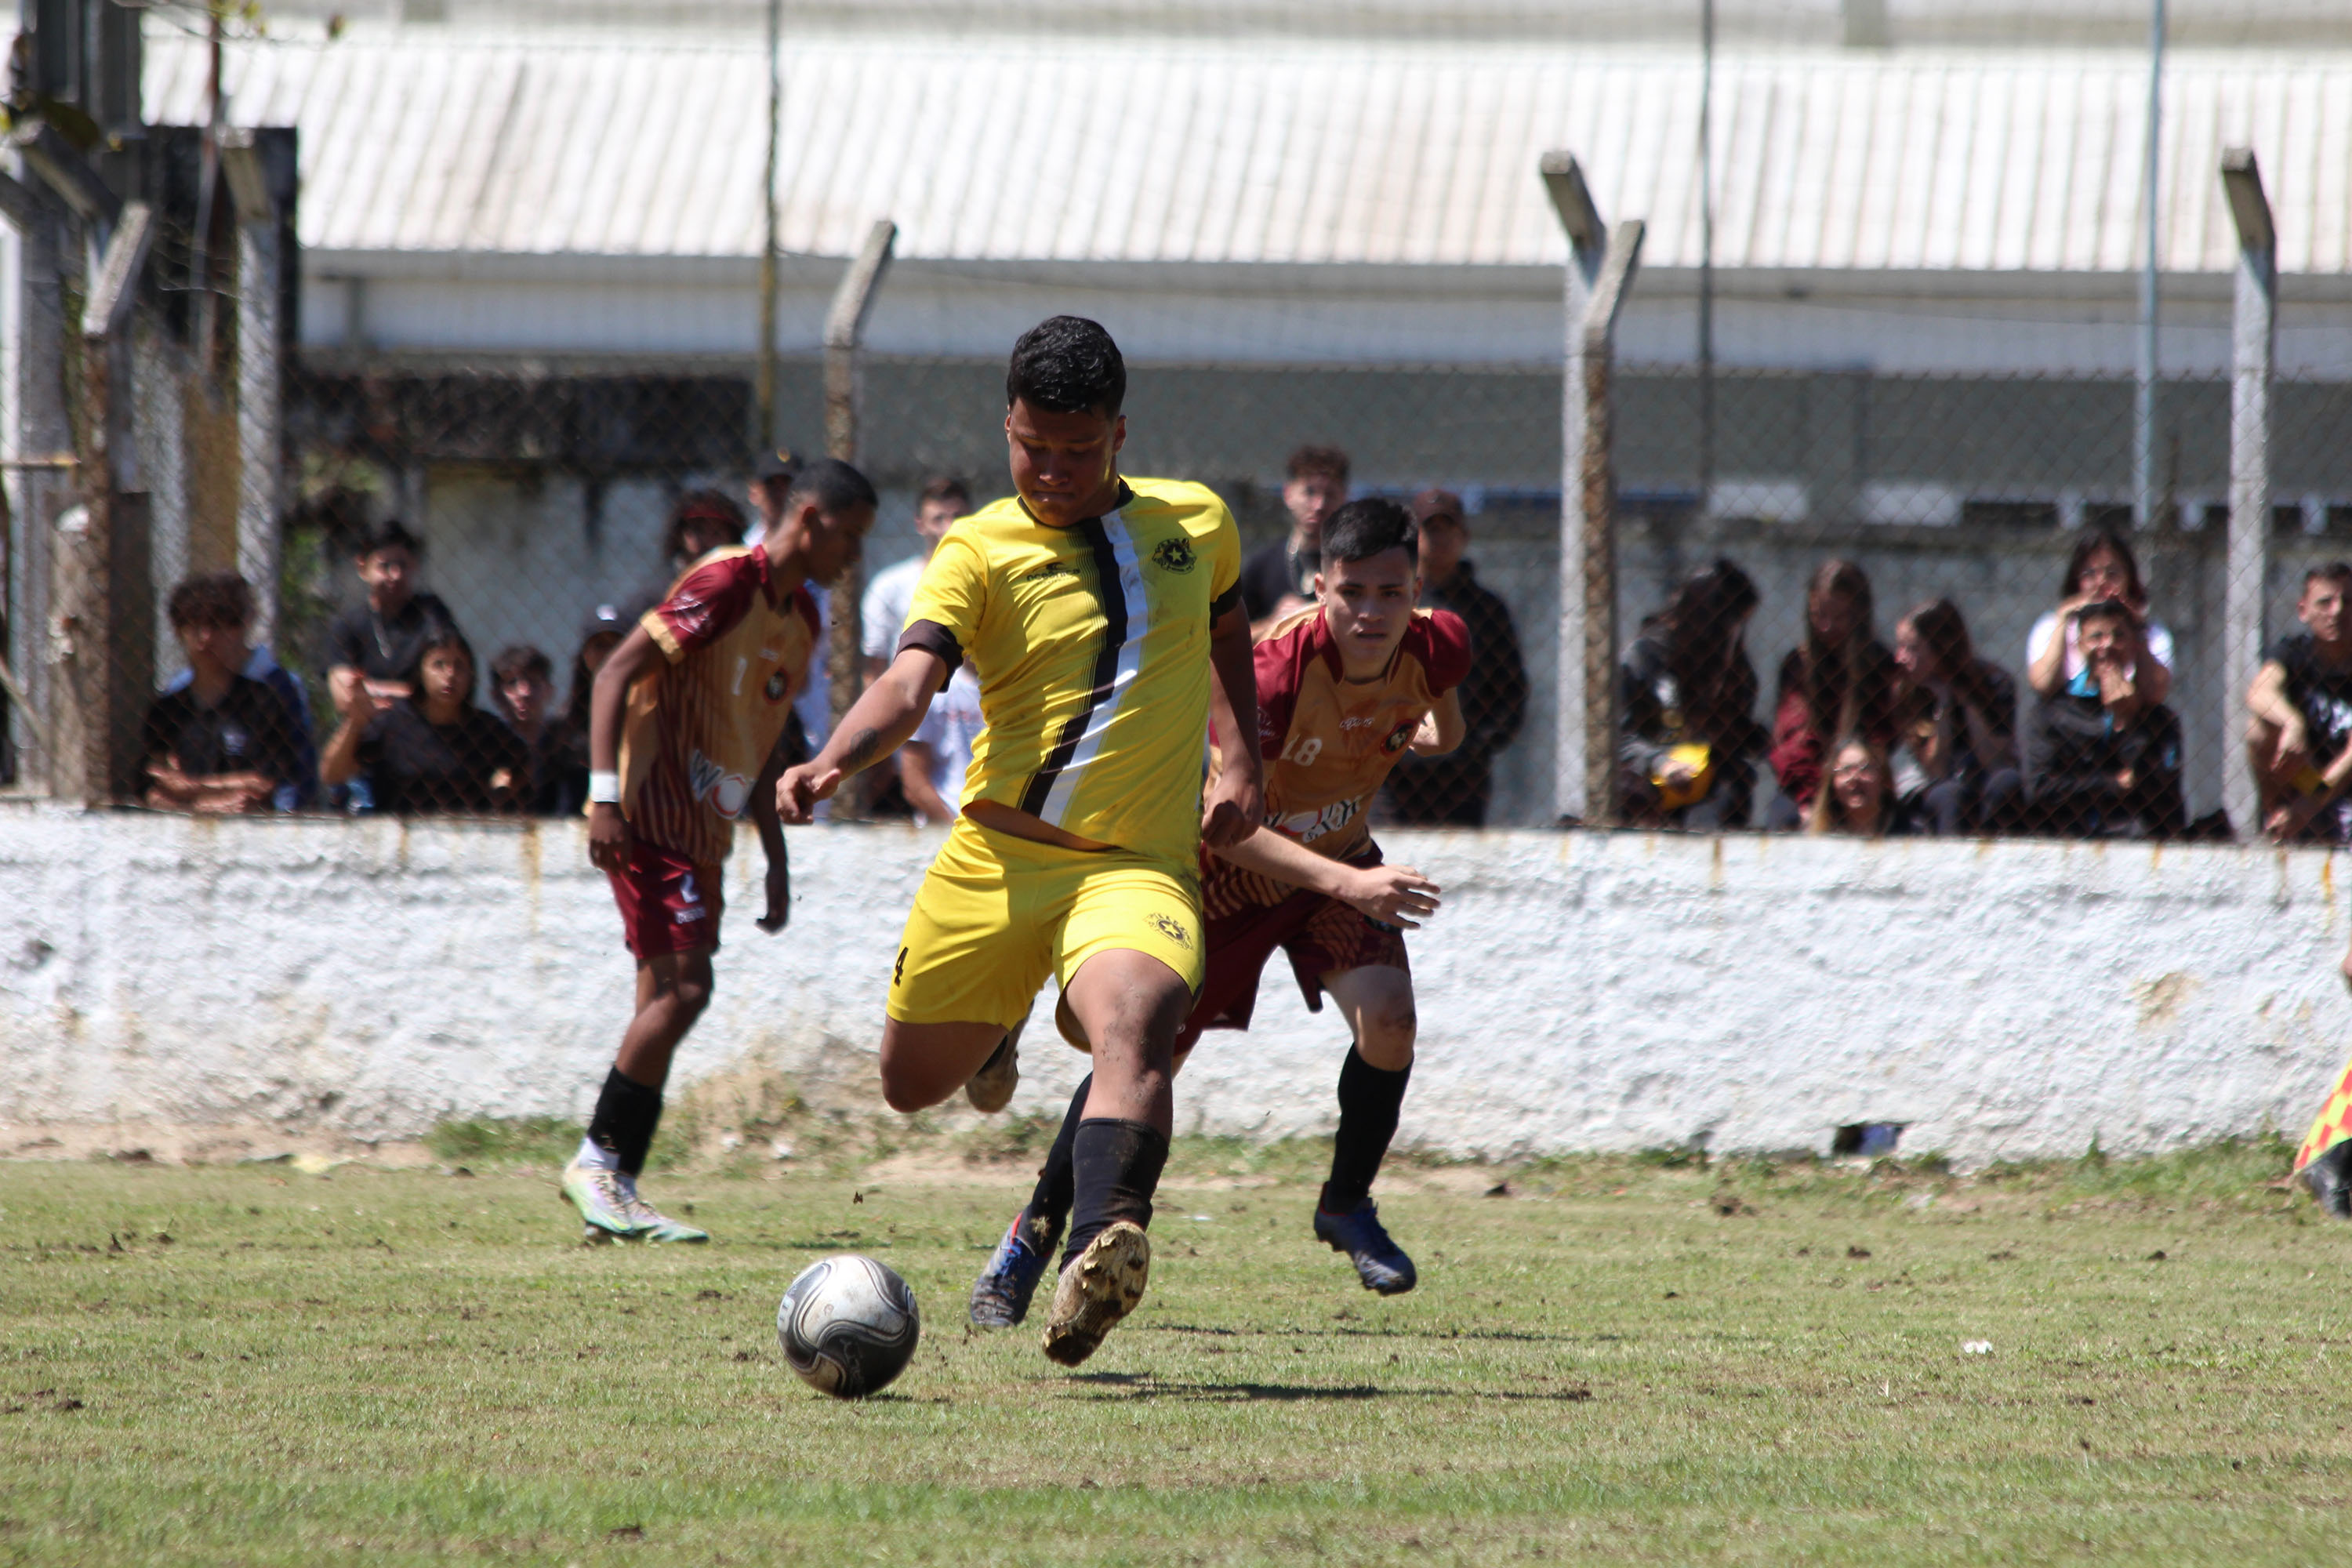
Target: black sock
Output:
{"points": [[1369, 1100], [1058, 1178], [1117, 1164], [626, 1114]]}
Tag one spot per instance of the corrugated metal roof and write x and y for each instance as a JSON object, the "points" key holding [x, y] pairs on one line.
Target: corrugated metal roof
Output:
{"points": [[1278, 152]]}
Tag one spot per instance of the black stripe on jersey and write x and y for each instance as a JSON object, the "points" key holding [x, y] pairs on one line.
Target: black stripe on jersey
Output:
{"points": [[1114, 608]]}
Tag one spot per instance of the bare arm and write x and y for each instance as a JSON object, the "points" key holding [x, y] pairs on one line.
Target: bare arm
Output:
{"points": [[2046, 672], [1389, 894], [608, 830], [916, 760], [339, 764], [1442, 728], [1236, 800], [876, 724], [2266, 699], [771, 841]]}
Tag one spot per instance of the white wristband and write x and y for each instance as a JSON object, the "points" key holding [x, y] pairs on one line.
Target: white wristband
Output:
{"points": [[603, 789]]}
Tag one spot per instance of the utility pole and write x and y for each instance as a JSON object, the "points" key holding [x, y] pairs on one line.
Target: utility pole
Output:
{"points": [[2144, 480], [766, 374], [2254, 346], [845, 335], [1706, 256]]}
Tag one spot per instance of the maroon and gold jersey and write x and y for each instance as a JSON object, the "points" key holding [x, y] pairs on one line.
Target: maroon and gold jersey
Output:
{"points": [[1329, 742], [695, 733]]}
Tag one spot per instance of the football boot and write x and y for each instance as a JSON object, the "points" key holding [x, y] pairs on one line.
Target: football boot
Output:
{"points": [[2329, 1177], [999, 1297], [1098, 1287], [1380, 1262], [655, 1226], [991, 1089], [602, 1198]]}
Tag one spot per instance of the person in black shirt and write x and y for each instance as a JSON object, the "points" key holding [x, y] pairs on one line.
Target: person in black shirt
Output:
{"points": [[522, 688], [433, 753], [1452, 790], [1278, 578], [378, 643], [2299, 734], [1688, 739], [223, 742], [2106, 761]]}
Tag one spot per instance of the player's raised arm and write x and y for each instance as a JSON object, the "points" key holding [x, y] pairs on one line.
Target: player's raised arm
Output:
{"points": [[876, 724], [1236, 800], [1443, 727]]}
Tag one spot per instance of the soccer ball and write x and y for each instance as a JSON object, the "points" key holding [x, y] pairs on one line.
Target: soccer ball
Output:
{"points": [[848, 1326]]}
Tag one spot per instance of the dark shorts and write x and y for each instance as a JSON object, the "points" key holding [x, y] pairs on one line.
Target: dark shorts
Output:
{"points": [[1320, 934], [668, 904]]}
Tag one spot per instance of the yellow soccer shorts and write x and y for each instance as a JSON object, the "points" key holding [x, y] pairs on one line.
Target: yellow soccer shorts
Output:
{"points": [[997, 914]]}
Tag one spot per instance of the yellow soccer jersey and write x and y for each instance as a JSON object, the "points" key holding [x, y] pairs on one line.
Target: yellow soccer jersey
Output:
{"points": [[1092, 648]]}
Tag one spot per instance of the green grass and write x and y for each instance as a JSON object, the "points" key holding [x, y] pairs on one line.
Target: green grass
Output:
{"points": [[1621, 1360]]}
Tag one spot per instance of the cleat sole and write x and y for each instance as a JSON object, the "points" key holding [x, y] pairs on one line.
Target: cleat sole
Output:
{"points": [[1101, 1286]]}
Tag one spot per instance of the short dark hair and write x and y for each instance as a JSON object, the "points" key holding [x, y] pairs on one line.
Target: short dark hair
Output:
{"points": [[700, 506], [522, 658], [2107, 610], [835, 486], [388, 534], [440, 636], [2337, 571], [214, 599], [1328, 461], [1067, 365], [1363, 529], [944, 486]]}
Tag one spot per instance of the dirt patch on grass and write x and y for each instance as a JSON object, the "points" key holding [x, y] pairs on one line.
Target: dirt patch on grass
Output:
{"points": [[175, 1143]]}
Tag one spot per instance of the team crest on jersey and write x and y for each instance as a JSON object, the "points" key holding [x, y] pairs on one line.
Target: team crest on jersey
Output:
{"points": [[1399, 736], [776, 688], [1174, 930], [1175, 555], [727, 793]]}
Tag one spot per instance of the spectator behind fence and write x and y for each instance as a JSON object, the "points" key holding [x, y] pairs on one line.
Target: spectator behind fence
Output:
{"points": [[606, 624], [699, 522], [522, 688], [1841, 680], [1859, 795], [1957, 769], [883, 615], [1278, 578], [931, 765], [435, 752], [2102, 568], [1451, 789], [219, 742], [256, 663], [378, 642], [2299, 733], [1687, 693], [2105, 759]]}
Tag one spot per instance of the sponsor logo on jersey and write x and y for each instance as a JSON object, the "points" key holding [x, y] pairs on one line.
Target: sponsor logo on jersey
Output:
{"points": [[1306, 826], [1174, 930], [1050, 570], [1175, 555], [706, 781], [1399, 736]]}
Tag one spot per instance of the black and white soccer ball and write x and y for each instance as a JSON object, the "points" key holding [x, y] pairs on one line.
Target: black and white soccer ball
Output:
{"points": [[848, 1326]]}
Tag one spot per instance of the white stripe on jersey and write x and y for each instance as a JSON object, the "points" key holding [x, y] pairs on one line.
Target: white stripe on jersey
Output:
{"points": [[1130, 664]]}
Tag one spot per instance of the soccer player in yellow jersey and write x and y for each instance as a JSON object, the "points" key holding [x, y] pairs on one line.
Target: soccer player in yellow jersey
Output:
{"points": [[1103, 616], [682, 728], [1344, 688]]}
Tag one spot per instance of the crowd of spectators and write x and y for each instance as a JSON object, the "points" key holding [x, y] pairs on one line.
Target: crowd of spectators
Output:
{"points": [[1924, 736]]}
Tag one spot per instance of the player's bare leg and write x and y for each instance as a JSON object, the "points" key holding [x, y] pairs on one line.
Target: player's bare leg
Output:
{"points": [[673, 989], [1377, 1003], [1130, 1005]]}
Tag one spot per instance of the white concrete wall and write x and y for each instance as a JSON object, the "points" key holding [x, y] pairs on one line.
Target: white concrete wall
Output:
{"points": [[1578, 992]]}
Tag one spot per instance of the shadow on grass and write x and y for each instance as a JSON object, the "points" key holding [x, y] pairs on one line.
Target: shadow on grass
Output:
{"points": [[1142, 1386]]}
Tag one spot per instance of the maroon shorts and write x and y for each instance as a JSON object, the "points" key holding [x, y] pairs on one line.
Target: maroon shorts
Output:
{"points": [[668, 904], [1320, 934]]}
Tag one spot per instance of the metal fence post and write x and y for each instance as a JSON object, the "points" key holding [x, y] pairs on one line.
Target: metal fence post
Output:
{"points": [[844, 333], [256, 187], [2253, 343], [1600, 268]]}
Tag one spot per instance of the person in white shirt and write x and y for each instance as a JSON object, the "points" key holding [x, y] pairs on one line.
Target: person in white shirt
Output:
{"points": [[2100, 569], [884, 616], [931, 765]]}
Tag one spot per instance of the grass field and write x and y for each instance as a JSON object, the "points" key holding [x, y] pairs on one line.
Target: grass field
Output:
{"points": [[1616, 1359]]}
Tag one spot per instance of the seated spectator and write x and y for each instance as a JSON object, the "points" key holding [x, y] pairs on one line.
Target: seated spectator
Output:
{"points": [[699, 522], [377, 642], [931, 765], [1687, 693], [1859, 798], [1840, 680], [1451, 789], [1957, 768], [2299, 738], [1278, 579], [432, 753], [2105, 760], [256, 663], [2102, 568], [219, 742], [522, 688]]}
